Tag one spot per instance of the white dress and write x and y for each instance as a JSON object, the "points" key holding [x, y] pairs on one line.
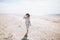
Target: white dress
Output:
{"points": [[27, 22]]}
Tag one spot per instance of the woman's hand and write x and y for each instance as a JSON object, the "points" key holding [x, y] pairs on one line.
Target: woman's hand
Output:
{"points": [[30, 24], [25, 16]]}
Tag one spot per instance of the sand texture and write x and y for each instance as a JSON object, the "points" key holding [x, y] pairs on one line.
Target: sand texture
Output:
{"points": [[12, 27]]}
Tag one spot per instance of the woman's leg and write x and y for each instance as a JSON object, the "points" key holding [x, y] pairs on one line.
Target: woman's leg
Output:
{"points": [[27, 28]]}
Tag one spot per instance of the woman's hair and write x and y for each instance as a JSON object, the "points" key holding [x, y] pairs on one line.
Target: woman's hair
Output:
{"points": [[28, 14]]}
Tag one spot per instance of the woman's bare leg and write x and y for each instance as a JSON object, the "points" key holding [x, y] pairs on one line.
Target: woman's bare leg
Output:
{"points": [[27, 31]]}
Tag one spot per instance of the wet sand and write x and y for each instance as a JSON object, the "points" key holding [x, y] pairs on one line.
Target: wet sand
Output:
{"points": [[12, 27]]}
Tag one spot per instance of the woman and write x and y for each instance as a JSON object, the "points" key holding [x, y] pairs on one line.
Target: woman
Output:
{"points": [[27, 21]]}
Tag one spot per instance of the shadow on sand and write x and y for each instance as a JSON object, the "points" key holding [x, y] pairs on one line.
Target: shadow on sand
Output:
{"points": [[25, 37]]}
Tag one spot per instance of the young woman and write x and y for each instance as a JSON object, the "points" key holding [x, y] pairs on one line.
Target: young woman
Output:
{"points": [[27, 21]]}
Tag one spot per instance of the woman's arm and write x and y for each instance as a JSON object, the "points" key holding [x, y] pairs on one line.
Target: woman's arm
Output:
{"points": [[25, 17], [30, 23]]}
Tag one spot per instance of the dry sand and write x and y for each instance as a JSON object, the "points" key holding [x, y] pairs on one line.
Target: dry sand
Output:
{"points": [[12, 27]]}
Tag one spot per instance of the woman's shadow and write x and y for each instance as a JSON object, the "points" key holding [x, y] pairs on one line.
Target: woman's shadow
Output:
{"points": [[25, 37]]}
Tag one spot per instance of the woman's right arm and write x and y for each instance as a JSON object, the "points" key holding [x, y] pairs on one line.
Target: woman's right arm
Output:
{"points": [[24, 17]]}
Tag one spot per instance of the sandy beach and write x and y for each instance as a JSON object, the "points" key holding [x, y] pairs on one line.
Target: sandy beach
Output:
{"points": [[12, 27]]}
